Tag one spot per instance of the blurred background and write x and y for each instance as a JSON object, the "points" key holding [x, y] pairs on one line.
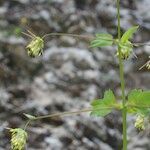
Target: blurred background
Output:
{"points": [[69, 75]]}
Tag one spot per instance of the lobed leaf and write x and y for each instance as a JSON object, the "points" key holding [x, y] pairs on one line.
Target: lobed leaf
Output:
{"points": [[128, 34], [139, 101], [102, 107]]}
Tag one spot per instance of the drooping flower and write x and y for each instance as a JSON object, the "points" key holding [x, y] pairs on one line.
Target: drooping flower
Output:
{"points": [[36, 45], [18, 139], [139, 123]]}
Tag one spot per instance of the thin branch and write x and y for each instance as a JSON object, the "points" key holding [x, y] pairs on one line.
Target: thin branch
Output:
{"points": [[67, 34], [69, 113], [63, 114], [144, 65], [27, 35], [32, 34], [141, 44], [134, 55], [28, 122]]}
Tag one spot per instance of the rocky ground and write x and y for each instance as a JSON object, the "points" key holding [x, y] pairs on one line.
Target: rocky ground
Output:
{"points": [[69, 74]]}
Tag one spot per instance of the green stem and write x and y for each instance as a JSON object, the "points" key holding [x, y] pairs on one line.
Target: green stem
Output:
{"points": [[121, 69]]}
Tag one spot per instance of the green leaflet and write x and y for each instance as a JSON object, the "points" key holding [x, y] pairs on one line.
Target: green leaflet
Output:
{"points": [[128, 34], [102, 40], [139, 102], [102, 107]]}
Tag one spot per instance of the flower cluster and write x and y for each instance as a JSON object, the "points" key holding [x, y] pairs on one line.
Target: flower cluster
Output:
{"points": [[126, 49]]}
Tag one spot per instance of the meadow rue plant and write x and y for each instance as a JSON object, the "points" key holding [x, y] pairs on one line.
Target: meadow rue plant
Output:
{"points": [[136, 102]]}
